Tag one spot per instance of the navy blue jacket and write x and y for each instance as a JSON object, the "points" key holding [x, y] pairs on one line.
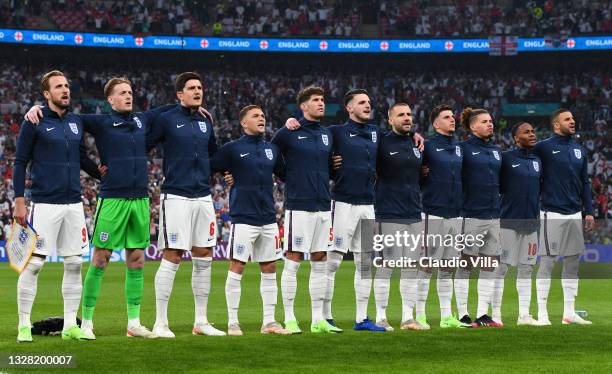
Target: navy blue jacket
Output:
{"points": [[55, 148], [357, 143], [520, 189], [442, 187], [120, 139], [251, 161], [566, 188], [307, 156], [188, 143], [398, 193], [480, 175]]}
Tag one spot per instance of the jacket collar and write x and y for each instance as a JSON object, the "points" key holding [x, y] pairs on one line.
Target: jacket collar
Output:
{"points": [[443, 138], [252, 138], [48, 113], [307, 123], [476, 140], [562, 139], [124, 115], [188, 112], [359, 125]]}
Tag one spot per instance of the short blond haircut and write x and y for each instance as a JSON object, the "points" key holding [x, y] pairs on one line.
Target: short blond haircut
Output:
{"points": [[108, 87]]}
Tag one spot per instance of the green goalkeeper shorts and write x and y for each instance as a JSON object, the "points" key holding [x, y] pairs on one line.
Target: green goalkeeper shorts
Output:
{"points": [[122, 223]]}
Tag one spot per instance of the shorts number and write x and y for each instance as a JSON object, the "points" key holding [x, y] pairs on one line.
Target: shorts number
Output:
{"points": [[532, 249], [84, 234], [331, 234], [212, 229]]}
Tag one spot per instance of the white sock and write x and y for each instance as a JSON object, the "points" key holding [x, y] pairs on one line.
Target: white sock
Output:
{"points": [[542, 289], [72, 286], [269, 294], [26, 289], [133, 323], [498, 292], [363, 285], [462, 289], [570, 290], [445, 292], [408, 292], [317, 285], [289, 287], [232, 296], [523, 288], [486, 283], [334, 259], [87, 324], [200, 284], [382, 284], [422, 291], [543, 285], [164, 279]]}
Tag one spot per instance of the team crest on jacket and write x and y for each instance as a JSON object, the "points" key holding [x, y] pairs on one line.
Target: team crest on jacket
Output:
{"points": [[416, 152], [202, 125], [536, 166], [269, 154], [73, 127], [577, 153], [325, 139], [138, 123], [373, 136], [496, 155], [458, 151]]}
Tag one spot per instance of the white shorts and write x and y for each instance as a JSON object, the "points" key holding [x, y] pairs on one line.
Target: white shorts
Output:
{"points": [[260, 243], [307, 232], [408, 250], [489, 229], [436, 230], [346, 222], [185, 223], [561, 234], [60, 227], [518, 247]]}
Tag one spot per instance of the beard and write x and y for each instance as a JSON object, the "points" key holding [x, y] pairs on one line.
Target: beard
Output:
{"points": [[59, 103], [402, 130]]}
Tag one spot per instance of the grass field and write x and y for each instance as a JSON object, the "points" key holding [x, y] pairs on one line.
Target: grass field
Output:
{"points": [[527, 349]]}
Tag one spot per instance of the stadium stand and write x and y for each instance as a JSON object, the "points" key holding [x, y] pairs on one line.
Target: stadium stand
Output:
{"points": [[327, 18]]}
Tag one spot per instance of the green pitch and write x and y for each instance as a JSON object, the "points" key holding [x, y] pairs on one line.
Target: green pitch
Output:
{"points": [[526, 349]]}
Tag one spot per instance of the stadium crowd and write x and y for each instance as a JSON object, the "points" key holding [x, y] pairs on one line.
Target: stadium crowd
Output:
{"points": [[328, 18], [586, 93], [482, 18]]}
